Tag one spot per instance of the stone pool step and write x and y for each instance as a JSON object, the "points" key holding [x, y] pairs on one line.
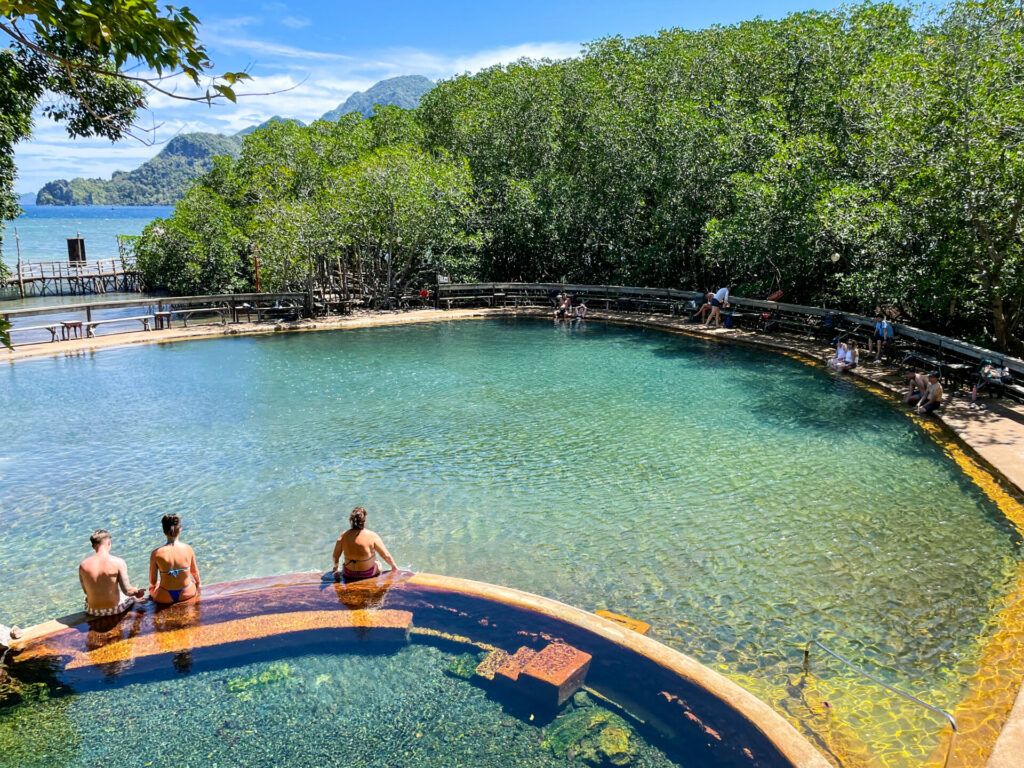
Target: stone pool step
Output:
{"points": [[549, 676], [640, 627], [379, 625]]}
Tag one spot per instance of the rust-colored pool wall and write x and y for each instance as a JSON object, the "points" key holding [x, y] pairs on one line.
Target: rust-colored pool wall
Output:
{"points": [[681, 701]]}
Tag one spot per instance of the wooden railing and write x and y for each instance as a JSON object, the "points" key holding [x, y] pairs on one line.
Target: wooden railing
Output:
{"points": [[37, 270], [663, 299]]}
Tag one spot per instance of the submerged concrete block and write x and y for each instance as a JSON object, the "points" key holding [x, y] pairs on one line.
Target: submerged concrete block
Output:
{"points": [[509, 669], [641, 627], [488, 668], [554, 674]]}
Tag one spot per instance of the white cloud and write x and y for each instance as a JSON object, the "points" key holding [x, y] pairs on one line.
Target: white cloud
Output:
{"points": [[268, 48], [296, 22]]}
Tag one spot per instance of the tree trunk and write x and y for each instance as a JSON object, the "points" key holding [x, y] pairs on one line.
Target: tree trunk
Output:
{"points": [[999, 322]]}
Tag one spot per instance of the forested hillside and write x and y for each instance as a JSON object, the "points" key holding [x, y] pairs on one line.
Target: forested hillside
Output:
{"points": [[160, 181], [867, 158], [404, 92], [164, 179]]}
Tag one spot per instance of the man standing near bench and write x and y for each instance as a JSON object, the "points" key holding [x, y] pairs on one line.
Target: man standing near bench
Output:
{"points": [[104, 580], [882, 336], [718, 301]]}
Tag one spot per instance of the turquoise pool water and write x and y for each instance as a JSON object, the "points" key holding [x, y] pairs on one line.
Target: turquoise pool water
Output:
{"points": [[737, 500], [371, 710]]}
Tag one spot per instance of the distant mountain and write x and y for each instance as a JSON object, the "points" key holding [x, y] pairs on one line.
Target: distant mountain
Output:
{"points": [[159, 181], [26, 198], [404, 92], [265, 123], [164, 179]]}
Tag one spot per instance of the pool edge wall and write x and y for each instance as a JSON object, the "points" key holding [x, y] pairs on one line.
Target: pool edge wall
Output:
{"points": [[775, 728]]}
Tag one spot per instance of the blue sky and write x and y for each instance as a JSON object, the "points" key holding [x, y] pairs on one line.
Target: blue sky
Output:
{"points": [[316, 54]]}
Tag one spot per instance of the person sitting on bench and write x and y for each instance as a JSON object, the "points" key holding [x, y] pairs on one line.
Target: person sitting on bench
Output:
{"points": [[701, 313], [931, 401]]}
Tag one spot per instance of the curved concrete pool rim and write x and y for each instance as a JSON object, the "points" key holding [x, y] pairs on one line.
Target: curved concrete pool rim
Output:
{"points": [[783, 736]]}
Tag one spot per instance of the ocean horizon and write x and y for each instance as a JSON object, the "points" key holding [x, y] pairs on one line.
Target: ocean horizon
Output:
{"points": [[43, 230]]}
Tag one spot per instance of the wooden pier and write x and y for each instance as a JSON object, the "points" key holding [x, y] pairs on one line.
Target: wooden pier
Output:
{"points": [[63, 278]]}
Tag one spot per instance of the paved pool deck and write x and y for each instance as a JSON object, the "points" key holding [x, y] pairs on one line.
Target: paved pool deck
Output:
{"points": [[992, 727]]}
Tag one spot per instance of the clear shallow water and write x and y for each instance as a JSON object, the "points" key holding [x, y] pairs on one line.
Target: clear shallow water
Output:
{"points": [[739, 501], [43, 229], [371, 710]]}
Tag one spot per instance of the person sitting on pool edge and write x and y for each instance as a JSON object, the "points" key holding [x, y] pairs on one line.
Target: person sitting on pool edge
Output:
{"points": [[360, 546], [173, 571], [931, 400], [104, 579]]}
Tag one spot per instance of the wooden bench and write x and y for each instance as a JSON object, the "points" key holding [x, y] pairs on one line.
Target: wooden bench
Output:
{"points": [[804, 329], [449, 299], [185, 314], [90, 327], [53, 329], [260, 312], [71, 329]]}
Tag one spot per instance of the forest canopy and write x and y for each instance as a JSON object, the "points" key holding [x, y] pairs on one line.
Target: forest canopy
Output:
{"points": [[866, 158]]}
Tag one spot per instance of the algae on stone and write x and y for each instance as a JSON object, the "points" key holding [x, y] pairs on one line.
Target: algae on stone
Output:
{"points": [[464, 665], [243, 687], [595, 735]]}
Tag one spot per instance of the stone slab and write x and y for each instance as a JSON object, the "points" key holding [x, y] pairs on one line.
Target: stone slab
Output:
{"points": [[555, 674], [624, 621], [513, 665], [489, 667]]}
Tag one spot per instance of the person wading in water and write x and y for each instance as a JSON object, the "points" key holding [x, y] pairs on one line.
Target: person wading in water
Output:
{"points": [[360, 546]]}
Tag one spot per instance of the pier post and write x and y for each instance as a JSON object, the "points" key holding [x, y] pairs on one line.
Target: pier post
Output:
{"points": [[21, 278]]}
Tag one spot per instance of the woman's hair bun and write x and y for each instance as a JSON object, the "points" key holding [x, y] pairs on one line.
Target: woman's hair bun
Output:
{"points": [[358, 518]]}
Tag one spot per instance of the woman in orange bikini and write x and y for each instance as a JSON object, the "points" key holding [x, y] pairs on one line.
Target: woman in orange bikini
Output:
{"points": [[173, 573], [360, 548]]}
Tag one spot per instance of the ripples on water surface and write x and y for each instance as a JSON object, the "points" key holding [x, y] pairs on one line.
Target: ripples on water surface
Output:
{"points": [[737, 500]]}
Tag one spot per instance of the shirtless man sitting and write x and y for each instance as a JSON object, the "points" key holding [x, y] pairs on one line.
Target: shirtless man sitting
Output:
{"points": [[360, 547], [104, 580], [931, 400]]}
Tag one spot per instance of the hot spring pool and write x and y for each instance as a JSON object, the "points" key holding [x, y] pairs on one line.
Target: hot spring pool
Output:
{"points": [[737, 500]]}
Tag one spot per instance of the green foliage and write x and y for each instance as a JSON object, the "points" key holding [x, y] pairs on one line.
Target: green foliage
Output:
{"points": [[160, 181], [309, 198], [869, 158], [198, 250], [5, 332], [404, 92]]}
